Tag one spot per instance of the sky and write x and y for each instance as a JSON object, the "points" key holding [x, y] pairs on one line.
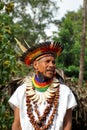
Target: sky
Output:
{"points": [[64, 6], [68, 5]]}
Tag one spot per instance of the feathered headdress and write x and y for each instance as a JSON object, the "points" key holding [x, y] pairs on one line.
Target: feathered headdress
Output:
{"points": [[39, 50]]}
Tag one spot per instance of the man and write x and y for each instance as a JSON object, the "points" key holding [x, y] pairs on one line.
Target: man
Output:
{"points": [[42, 102]]}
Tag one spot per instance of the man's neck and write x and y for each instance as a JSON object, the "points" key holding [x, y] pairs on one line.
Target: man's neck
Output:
{"points": [[41, 78]]}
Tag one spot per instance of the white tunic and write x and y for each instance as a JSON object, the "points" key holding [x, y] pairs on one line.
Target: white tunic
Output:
{"points": [[66, 101]]}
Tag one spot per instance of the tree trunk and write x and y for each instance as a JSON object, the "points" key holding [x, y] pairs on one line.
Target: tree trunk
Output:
{"points": [[82, 51]]}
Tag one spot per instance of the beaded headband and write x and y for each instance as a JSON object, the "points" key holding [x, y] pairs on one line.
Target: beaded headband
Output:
{"points": [[39, 50]]}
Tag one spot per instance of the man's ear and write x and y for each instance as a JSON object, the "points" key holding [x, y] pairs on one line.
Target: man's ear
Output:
{"points": [[35, 65]]}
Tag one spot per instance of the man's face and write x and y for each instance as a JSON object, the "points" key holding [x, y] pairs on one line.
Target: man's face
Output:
{"points": [[46, 66]]}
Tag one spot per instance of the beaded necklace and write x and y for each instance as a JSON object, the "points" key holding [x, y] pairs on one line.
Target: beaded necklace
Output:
{"points": [[41, 86], [45, 120]]}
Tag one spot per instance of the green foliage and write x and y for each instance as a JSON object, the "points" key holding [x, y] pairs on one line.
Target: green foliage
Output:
{"points": [[1, 5], [6, 114], [6, 50], [70, 35], [67, 39], [72, 71], [33, 17]]}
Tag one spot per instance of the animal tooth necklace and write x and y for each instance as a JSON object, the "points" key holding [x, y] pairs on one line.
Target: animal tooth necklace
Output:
{"points": [[45, 120]]}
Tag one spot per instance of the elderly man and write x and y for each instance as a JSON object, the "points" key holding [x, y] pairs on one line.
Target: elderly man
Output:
{"points": [[42, 102]]}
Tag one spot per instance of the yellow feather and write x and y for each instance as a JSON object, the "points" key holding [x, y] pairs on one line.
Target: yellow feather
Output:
{"points": [[20, 45]]}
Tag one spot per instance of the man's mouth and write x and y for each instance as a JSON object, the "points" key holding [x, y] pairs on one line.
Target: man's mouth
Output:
{"points": [[51, 71]]}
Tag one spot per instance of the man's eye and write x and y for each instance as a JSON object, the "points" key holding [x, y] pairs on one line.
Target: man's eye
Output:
{"points": [[47, 61], [53, 62]]}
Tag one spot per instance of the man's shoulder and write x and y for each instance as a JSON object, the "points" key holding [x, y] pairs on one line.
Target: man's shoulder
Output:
{"points": [[25, 81], [64, 88]]}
